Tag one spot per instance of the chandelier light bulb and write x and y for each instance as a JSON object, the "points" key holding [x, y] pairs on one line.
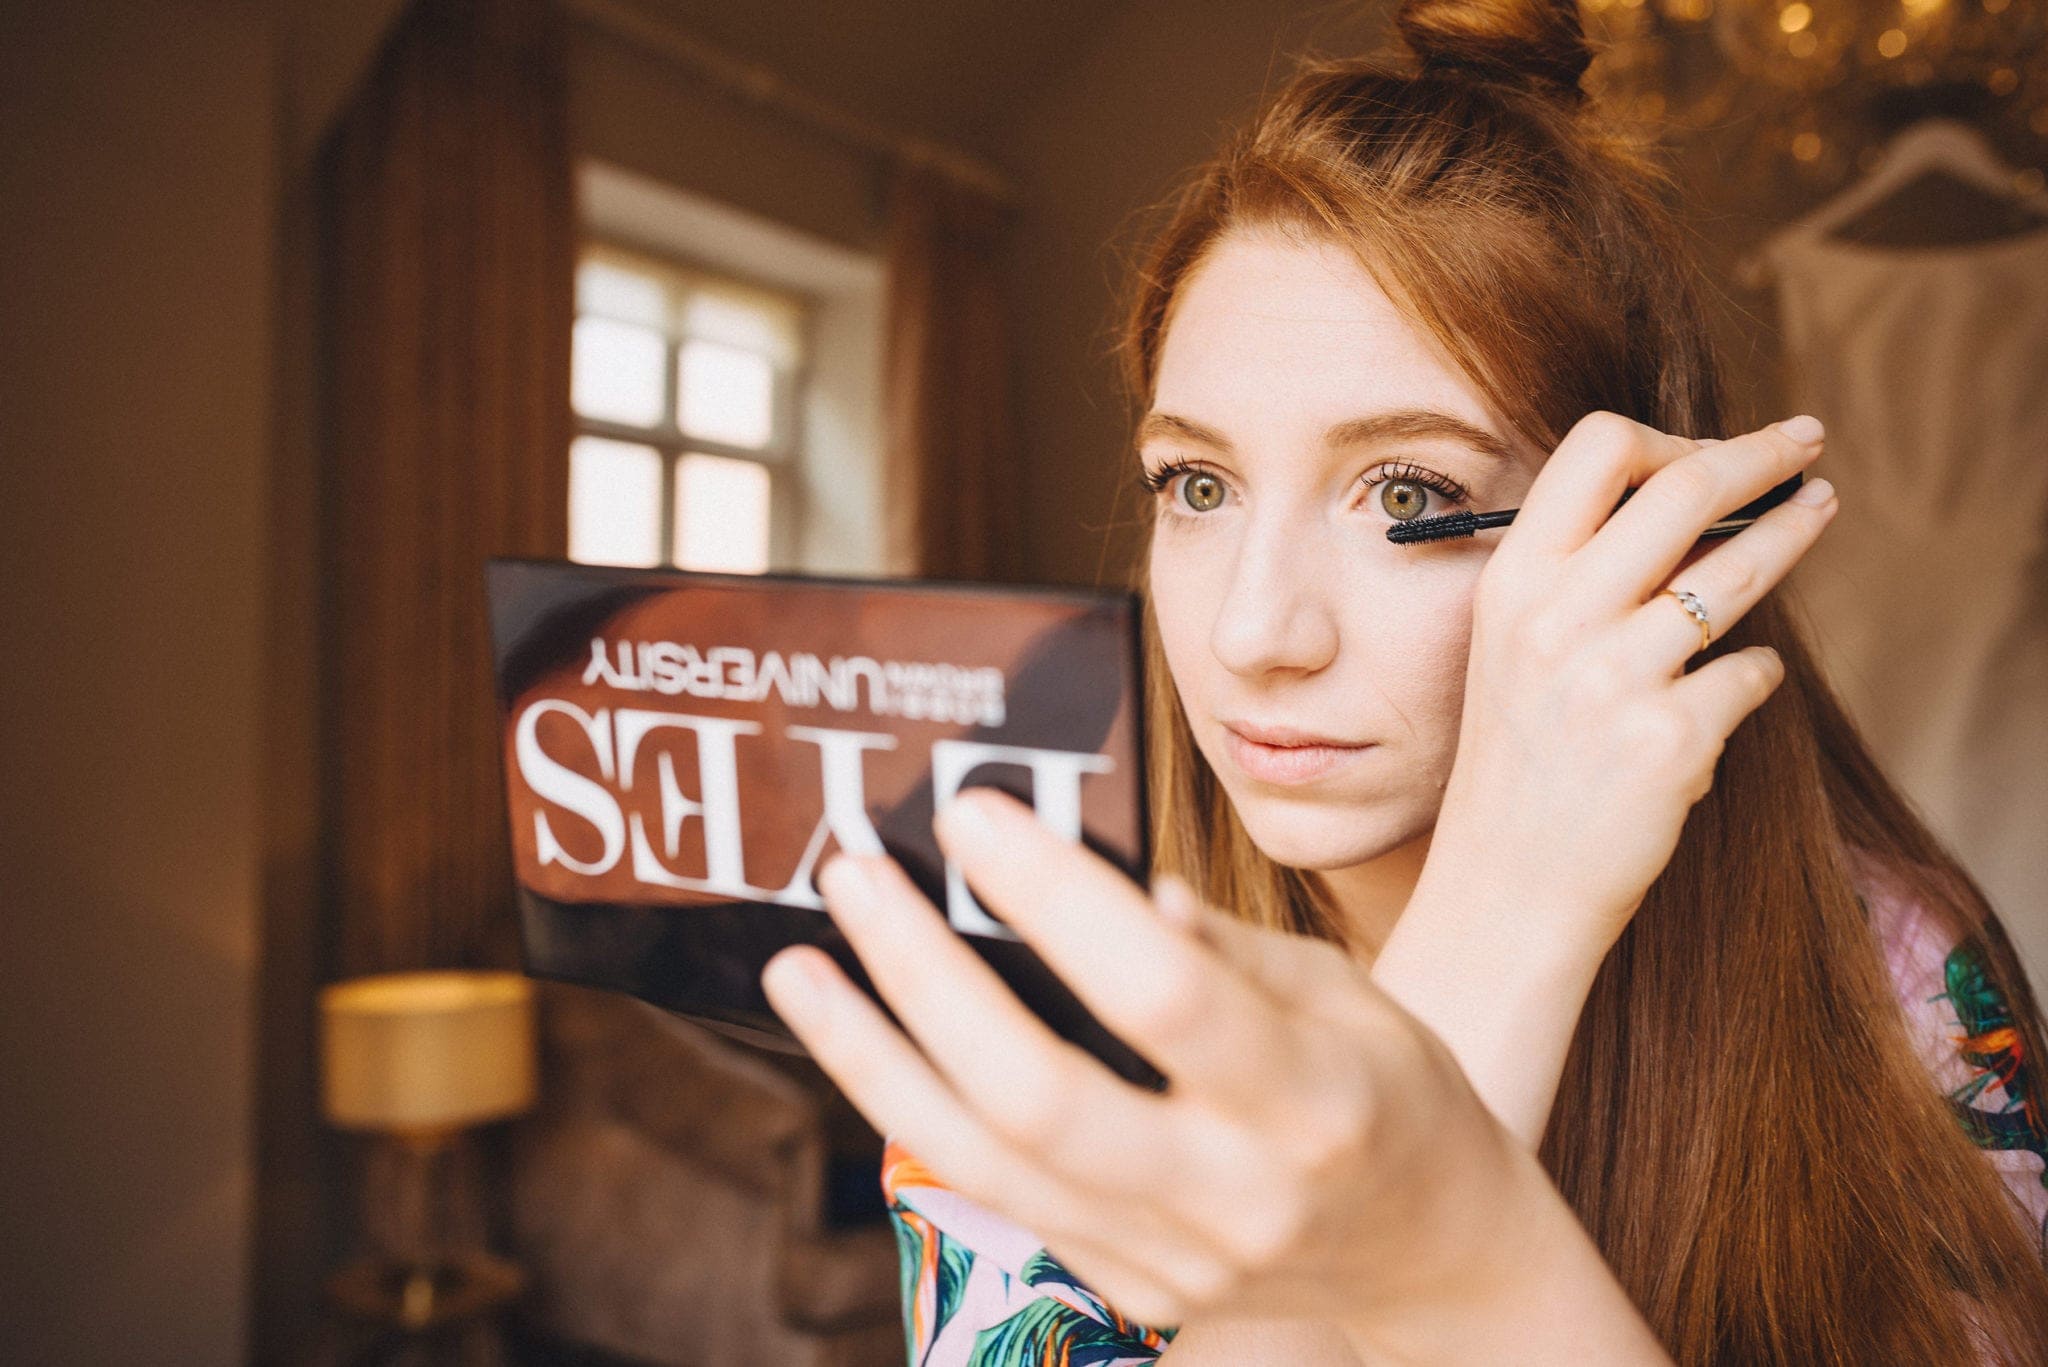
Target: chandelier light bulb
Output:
{"points": [[1808, 86]]}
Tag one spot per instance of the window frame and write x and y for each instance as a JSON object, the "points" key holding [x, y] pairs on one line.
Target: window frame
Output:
{"points": [[782, 455]]}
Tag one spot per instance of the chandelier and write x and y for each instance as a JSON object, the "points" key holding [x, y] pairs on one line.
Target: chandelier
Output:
{"points": [[1816, 86]]}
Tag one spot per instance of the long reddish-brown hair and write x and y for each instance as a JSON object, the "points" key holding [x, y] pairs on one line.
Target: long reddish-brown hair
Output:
{"points": [[1743, 1124]]}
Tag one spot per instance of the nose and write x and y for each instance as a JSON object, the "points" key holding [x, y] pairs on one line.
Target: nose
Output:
{"points": [[1275, 615]]}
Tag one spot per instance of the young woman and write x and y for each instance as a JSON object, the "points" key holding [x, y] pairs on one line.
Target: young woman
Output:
{"points": [[1541, 972]]}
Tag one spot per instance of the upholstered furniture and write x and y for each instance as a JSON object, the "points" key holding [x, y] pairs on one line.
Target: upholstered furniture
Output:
{"points": [[680, 1198]]}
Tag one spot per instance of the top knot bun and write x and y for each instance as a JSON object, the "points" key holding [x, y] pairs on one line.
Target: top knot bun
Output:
{"points": [[1537, 44]]}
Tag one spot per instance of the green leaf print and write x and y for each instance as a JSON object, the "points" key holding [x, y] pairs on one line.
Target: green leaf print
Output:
{"points": [[1047, 1330], [951, 1267]]}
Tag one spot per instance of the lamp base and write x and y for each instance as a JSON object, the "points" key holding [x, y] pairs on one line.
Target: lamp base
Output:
{"points": [[425, 1297]]}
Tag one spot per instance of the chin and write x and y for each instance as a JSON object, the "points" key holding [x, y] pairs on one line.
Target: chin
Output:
{"points": [[1306, 833]]}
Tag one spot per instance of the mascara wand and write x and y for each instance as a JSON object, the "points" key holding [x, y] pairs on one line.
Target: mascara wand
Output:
{"points": [[1448, 525]]}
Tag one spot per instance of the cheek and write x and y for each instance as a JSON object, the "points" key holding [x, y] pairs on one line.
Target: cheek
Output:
{"points": [[1186, 590], [1407, 640]]}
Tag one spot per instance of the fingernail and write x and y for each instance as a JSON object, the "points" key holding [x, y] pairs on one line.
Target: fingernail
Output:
{"points": [[1805, 428], [969, 813], [800, 975], [845, 879], [1814, 493]]}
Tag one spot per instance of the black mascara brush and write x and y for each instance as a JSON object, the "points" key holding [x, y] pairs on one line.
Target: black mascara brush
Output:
{"points": [[1465, 524], [1448, 525]]}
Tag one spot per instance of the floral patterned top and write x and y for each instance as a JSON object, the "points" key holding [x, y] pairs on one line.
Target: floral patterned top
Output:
{"points": [[1963, 1029], [979, 1291]]}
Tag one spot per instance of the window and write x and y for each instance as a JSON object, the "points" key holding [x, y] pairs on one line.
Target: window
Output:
{"points": [[685, 389], [814, 307]]}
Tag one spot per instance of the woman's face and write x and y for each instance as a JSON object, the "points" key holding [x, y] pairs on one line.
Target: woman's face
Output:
{"points": [[1296, 417]]}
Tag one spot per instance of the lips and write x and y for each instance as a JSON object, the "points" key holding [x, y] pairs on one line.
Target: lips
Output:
{"points": [[1282, 754], [1284, 735]]}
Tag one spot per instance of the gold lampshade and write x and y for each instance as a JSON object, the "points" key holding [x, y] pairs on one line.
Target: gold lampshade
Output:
{"points": [[426, 1053]]}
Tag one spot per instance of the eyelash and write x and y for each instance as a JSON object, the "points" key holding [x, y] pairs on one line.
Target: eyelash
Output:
{"points": [[1450, 489]]}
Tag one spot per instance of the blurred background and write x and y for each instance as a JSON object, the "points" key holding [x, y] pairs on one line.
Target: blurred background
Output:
{"points": [[309, 307]]}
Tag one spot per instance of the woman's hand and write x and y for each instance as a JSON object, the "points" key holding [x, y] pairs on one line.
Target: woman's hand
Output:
{"points": [[1585, 740], [1316, 1153]]}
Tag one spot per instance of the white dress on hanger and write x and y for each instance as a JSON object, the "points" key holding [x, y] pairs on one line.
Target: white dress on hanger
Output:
{"points": [[1928, 595]]}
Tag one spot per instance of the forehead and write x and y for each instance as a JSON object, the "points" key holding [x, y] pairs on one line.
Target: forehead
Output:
{"points": [[1273, 329]]}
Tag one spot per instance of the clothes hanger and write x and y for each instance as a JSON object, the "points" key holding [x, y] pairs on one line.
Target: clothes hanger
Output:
{"points": [[1937, 144]]}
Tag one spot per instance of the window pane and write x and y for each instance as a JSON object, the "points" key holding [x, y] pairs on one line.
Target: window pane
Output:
{"points": [[614, 291], [721, 514], [725, 394], [616, 374], [752, 320], [614, 502]]}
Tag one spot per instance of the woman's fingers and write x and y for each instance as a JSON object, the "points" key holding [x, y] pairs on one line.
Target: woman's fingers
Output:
{"points": [[1171, 997], [896, 1088], [1291, 967], [1049, 1099], [1603, 456], [1647, 537], [903, 1096], [1729, 580], [1724, 690], [1578, 494]]}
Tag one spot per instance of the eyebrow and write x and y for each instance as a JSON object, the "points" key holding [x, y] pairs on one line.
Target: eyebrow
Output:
{"points": [[1392, 425]]}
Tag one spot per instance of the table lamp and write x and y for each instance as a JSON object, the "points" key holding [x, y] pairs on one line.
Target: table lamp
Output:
{"points": [[413, 1060]]}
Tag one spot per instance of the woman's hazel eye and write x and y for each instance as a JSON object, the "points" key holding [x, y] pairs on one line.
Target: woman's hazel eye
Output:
{"points": [[1403, 499], [1201, 492]]}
